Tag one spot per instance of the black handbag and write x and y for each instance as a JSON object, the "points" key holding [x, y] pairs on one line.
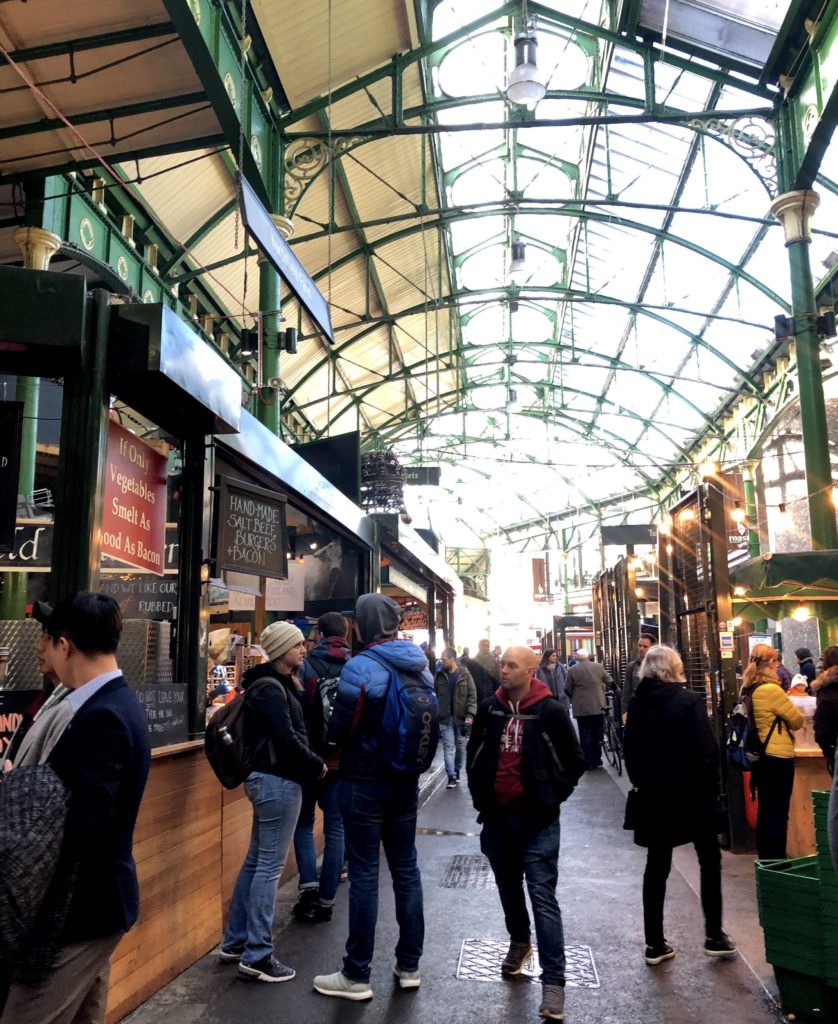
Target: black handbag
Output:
{"points": [[632, 817]]}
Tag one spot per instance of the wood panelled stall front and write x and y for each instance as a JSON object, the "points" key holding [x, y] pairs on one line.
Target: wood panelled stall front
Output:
{"points": [[190, 841]]}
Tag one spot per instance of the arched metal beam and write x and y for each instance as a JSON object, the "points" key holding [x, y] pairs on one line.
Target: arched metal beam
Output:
{"points": [[569, 210]]}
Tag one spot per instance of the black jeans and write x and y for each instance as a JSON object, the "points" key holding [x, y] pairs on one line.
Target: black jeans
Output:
{"points": [[658, 865], [774, 778], [590, 739]]}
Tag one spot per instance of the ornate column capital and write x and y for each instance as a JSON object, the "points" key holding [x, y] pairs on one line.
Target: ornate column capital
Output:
{"points": [[794, 210], [37, 246], [286, 229]]}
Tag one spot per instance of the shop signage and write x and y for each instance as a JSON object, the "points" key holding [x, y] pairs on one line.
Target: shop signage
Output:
{"points": [[11, 425], [134, 513], [414, 616], [32, 550], [287, 595], [251, 530], [629, 534], [13, 703], [423, 476], [266, 234]]}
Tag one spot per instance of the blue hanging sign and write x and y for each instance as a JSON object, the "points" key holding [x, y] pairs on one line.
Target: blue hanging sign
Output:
{"points": [[267, 236]]}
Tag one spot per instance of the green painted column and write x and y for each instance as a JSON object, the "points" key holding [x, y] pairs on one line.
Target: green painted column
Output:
{"points": [[267, 398], [751, 516], [193, 589], [795, 210], [15, 584], [37, 247], [77, 538]]}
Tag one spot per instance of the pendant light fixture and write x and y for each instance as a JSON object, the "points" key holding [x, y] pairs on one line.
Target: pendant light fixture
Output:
{"points": [[526, 84], [518, 264]]}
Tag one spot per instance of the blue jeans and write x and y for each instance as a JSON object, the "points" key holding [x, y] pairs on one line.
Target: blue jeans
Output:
{"points": [[453, 746], [517, 852], [376, 813], [276, 806], [324, 793]]}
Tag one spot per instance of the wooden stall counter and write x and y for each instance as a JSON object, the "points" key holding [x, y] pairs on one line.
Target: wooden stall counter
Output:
{"points": [[190, 841], [809, 773]]}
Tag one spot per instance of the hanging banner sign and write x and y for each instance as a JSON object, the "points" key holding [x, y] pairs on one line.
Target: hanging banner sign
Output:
{"points": [[267, 236], [422, 476], [251, 530], [134, 514], [11, 426], [32, 551]]}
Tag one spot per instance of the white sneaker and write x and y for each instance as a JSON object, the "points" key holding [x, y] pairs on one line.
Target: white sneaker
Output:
{"points": [[344, 988], [407, 979]]}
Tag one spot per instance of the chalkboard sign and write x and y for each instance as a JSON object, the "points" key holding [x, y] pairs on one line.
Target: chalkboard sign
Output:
{"points": [[250, 532], [166, 713]]}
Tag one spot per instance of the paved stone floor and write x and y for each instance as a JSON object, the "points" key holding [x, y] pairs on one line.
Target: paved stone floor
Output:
{"points": [[599, 892]]}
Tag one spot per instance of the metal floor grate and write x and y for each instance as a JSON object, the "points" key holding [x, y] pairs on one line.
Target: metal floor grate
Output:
{"points": [[480, 960], [468, 871]]}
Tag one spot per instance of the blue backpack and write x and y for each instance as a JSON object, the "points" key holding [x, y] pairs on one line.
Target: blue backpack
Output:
{"points": [[744, 747], [410, 722]]}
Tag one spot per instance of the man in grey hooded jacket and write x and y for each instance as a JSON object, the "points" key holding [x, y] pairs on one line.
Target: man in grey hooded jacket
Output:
{"points": [[378, 804]]}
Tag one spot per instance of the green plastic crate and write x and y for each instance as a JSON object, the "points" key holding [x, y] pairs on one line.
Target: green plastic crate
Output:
{"points": [[810, 999]]}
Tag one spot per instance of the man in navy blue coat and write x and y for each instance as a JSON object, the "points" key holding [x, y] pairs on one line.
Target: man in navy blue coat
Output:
{"points": [[103, 759]]}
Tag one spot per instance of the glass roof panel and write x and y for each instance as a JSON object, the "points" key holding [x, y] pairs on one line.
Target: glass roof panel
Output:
{"points": [[531, 324], [475, 67], [486, 182], [468, 234]]}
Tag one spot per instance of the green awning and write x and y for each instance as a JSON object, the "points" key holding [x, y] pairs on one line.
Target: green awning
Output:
{"points": [[777, 584]]}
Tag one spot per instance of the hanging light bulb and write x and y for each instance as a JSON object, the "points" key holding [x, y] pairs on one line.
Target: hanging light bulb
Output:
{"points": [[518, 265], [783, 518], [802, 613], [526, 84], [708, 468], [738, 591], [738, 513]]}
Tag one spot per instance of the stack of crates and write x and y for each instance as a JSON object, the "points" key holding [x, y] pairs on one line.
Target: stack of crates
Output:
{"points": [[798, 911], [829, 888]]}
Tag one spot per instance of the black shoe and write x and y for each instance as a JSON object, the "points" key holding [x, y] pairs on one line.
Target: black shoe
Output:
{"points": [[452, 783], [231, 954], [267, 969], [304, 907], [321, 913], [657, 954], [516, 958], [722, 945]]}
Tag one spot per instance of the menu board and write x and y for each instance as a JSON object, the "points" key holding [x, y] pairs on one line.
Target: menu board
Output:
{"points": [[251, 530]]}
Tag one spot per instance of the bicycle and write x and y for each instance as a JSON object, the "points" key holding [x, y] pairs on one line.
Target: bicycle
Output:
{"points": [[612, 747]]}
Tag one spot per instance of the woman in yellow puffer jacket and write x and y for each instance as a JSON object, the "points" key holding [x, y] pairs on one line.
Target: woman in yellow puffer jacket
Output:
{"points": [[773, 774]]}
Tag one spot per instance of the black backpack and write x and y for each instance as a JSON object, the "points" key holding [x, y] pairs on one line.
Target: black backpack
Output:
{"points": [[228, 741], [744, 747], [322, 700]]}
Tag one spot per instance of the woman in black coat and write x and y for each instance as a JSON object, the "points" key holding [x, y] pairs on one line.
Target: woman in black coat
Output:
{"points": [[672, 759], [825, 689]]}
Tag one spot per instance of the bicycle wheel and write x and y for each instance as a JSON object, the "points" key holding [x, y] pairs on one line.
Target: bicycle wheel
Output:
{"points": [[618, 749], [611, 747]]}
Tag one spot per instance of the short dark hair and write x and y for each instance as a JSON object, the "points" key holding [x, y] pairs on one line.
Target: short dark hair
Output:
{"points": [[92, 622], [332, 624], [647, 636], [803, 653], [448, 652], [830, 657]]}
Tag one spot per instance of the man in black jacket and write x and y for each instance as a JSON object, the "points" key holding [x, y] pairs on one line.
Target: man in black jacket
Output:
{"points": [[102, 757], [523, 761]]}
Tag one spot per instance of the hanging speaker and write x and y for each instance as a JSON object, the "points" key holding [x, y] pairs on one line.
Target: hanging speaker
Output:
{"points": [[289, 340]]}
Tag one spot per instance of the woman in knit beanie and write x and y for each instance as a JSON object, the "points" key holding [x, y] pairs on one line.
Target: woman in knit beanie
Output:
{"points": [[282, 760]]}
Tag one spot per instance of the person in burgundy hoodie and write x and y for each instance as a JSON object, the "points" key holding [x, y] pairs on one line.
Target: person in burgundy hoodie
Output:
{"points": [[523, 762]]}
